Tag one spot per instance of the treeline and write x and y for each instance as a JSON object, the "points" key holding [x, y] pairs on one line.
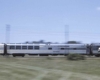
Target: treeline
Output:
{"points": [[45, 42]]}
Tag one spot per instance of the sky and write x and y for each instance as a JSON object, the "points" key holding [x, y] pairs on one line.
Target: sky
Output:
{"points": [[49, 20]]}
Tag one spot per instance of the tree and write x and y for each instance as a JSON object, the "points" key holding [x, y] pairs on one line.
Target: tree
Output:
{"points": [[27, 42], [35, 42], [56, 43], [73, 42], [49, 42], [41, 41]]}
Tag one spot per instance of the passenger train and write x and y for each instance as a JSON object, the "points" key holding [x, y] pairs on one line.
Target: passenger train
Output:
{"points": [[49, 49]]}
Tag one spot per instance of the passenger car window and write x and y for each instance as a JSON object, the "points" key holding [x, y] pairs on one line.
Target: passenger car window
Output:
{"points": [[30, 47], [24, 47], [36, 47], [49, 48], [11, 47], [62, 48], [18, 47]]}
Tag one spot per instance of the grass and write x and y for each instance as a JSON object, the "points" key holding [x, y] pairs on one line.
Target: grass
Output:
{"points": [[42, 68]]}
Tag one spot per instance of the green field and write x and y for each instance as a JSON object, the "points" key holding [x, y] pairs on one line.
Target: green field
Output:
{"points": [[44, 68]]}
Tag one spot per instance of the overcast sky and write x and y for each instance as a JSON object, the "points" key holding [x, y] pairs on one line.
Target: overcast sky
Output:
{"points": [[32, 20]]}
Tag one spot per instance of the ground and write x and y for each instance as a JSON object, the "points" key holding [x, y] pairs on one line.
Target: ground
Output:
{"points": [[48, 68]]}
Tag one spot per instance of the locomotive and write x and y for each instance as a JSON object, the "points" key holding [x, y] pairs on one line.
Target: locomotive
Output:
{"points": [[21, 49]]}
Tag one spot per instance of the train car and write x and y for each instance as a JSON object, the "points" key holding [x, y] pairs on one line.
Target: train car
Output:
{"points": [[45, 49], [95, 49], [1, 49]]}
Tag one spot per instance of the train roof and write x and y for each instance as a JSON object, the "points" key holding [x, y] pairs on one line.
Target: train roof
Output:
{"points": [[96, 44], [1, 44], [51, 44]]}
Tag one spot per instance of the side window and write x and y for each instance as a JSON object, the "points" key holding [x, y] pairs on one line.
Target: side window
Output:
{"points": [[83, 48], [74, 48], [11, 47], [30, 47], [1, 47], [36, 47], [62, 48], [49, 48], [70, 48], [24, 47], [78, 48], [18, 47], [95, 47]]}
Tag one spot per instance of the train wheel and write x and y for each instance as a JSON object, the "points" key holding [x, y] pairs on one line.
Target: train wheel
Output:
{"points": [[14, 56], [97, 55], [23, 55]]}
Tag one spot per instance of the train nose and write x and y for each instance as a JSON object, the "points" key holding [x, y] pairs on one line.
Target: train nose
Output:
{"points": [[99, 49]]}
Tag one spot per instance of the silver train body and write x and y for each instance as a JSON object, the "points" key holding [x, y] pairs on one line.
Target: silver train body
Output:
{"points": [[46, 48], [49, 49]]}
